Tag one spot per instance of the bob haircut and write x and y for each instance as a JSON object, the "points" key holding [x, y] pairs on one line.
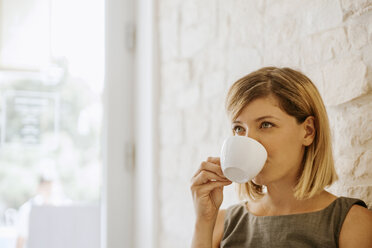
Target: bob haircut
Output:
{"points": [[298, 97]]}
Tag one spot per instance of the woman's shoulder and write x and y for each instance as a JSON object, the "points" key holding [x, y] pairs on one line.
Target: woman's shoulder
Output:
{"points": [[218, 228], [236, 208], [220, 221], [357, 227]]}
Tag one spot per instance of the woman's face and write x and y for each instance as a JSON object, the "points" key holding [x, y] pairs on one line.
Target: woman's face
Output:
{"points": [[284, 139]]}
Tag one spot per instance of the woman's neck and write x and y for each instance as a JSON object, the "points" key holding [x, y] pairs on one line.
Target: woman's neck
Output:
{"points": [[280, 200]]}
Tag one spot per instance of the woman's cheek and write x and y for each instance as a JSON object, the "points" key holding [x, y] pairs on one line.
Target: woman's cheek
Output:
{"points": [[268, 149]]}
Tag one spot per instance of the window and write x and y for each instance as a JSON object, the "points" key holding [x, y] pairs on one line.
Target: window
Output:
{"points": [[51, 82]]}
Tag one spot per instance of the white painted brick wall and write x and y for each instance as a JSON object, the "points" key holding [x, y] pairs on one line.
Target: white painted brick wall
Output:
{"points": [[206, 45]]}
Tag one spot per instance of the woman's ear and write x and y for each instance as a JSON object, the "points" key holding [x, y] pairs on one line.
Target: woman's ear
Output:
{"points": [[309, 130]]}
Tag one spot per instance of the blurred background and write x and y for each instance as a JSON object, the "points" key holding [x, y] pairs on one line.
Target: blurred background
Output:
{"points": [[107, 107], [51, 84]]}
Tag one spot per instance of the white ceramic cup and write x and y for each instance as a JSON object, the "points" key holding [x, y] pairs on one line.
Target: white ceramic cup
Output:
{"points": [[242, 158]]}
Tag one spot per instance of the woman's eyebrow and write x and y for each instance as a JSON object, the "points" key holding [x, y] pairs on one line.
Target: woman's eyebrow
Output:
{"points": [[259, 118], [266, 117], [238, 122]]}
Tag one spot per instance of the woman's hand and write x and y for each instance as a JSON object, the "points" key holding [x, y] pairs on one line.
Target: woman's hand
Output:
{"points": [[207, 189]]}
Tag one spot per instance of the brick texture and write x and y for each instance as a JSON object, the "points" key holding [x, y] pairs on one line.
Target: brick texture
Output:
{"points": [[205, 46]]}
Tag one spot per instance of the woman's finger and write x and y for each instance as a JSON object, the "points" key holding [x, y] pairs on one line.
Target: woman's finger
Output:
{"points": [[206, 188], [209, 166], [205, 176], [215, 160]]}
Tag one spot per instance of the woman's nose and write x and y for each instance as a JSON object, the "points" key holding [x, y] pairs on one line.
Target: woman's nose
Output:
{"points": [[251, 134]]}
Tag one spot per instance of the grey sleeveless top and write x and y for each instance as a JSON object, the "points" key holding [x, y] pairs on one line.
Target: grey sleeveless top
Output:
{"points": [[315, 229]]}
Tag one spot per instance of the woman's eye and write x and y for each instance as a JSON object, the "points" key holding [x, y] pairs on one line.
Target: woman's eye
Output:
{"points": [[266, 125], [238, 130]]}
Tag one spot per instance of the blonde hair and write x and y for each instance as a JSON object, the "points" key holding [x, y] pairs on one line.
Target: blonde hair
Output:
{"points": [[298, 97]]}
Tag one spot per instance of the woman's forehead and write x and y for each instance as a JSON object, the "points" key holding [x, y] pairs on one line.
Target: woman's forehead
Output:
{"points": [[261, 107]]}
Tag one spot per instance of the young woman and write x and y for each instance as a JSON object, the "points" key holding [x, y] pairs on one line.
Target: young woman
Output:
{"points": [[286, 203]]}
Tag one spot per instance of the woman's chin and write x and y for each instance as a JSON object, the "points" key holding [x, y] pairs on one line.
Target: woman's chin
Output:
{"points": [[260, 178]]}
